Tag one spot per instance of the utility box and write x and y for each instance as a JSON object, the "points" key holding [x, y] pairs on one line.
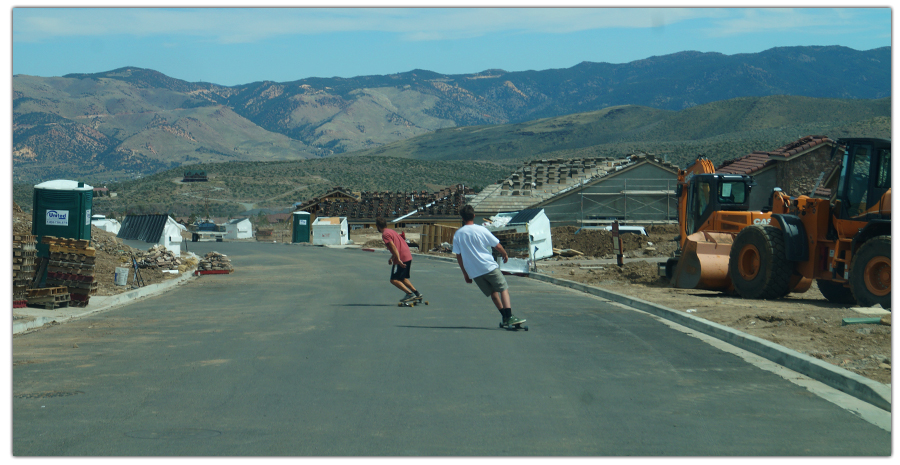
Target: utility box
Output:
{"points": [[300, 227], [62, 208], [526, 237], [330, 231]]}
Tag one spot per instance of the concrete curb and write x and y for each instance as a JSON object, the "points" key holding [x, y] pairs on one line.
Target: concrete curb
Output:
{"points": [[838, 378], [105, 303]]}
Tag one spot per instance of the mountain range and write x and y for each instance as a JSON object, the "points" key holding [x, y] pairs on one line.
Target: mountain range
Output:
{"points": [[131, 121]]}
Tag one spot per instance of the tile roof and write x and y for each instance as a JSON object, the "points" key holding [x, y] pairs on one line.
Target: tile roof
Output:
{"points": [[442, 204], [540, 180], [751, 163]]}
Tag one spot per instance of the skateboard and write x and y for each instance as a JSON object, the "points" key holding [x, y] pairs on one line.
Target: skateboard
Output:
{"points": [[412, 303], [514, 327]]}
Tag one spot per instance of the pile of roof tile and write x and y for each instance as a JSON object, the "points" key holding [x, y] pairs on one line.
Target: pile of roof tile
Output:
{"points": [[215, 261], [159, 258]]}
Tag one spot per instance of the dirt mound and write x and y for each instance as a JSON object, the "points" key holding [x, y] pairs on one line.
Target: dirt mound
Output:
{"points": [[637, 272], [597, 243]]}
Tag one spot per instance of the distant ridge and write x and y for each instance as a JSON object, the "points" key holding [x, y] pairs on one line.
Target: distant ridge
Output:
{"points": [[132, 121]]}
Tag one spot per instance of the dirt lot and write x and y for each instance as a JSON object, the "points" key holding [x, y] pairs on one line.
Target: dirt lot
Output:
{"points": [[806, 322]]}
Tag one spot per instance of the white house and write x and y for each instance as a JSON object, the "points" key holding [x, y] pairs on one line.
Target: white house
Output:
{"points": [[153, 229], [106, 224], [239, 228]]}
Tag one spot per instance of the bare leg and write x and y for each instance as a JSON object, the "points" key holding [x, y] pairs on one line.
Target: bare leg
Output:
{"points": [[409, 285], [400, 286], [498, 301], [504, 299]]}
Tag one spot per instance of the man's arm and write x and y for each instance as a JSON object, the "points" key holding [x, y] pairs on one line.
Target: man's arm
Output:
{"points": [[395, 255], [461, 267], [499, 248]]}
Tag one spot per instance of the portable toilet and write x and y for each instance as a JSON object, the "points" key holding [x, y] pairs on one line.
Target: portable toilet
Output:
{"points": [[300, 227], [62, 208], [330, 230]]}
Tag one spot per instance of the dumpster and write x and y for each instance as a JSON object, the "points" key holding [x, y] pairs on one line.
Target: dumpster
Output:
{"points": [[330, 231], [300, 227], [526, 237]]}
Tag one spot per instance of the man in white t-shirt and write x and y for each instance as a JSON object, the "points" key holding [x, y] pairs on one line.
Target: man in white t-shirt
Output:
{"points": [[472, 245]]}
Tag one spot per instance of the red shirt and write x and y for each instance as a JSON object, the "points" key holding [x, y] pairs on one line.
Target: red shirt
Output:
{"points": [[389, 236]]}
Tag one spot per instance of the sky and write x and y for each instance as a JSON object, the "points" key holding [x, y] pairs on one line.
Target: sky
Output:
{"points": [[232, 46]]}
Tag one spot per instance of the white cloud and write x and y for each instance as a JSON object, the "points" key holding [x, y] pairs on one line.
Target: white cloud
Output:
{"points": [[237, 25], [249, 24]]}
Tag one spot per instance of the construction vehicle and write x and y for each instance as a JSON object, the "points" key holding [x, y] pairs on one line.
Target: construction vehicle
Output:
{"points": [[712, 209], [844, 245]]}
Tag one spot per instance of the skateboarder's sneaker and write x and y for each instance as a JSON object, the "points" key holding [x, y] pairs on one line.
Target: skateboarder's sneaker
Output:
{"points": [[513, 320], [409, 298]]}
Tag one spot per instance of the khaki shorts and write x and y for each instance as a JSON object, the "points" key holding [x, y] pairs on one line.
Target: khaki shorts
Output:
{"points": [[491, 282]]}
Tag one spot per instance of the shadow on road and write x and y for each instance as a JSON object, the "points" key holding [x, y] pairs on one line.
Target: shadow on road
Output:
{"points": [[364, 305], [446, 327]]}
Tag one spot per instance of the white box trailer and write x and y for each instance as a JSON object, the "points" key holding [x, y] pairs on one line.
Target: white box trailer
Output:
{"points": [[330, 230], [535, 225]]}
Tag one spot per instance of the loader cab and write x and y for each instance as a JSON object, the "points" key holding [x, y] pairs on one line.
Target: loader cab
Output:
{"points": [[708, 193], [865, 176]]}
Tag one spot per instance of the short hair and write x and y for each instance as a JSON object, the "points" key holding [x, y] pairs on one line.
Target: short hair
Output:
{"points": [[467, 213], [380, 223]]}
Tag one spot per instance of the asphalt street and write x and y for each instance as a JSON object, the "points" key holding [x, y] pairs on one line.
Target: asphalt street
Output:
{"points": [[302, 351]]}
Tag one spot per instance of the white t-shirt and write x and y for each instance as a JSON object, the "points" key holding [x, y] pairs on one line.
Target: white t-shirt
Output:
{"points": [[473, 242]]}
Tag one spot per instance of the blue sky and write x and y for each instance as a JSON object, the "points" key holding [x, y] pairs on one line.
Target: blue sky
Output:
{"points": [[232, 46]]}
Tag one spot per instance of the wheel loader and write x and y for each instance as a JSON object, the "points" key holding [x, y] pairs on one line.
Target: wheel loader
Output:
{"points": [[843, 245]]}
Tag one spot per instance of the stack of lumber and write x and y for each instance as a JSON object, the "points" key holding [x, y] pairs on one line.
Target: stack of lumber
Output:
{"points": [[71, 265], [24, 259], [159, 257], [567, 252], [50, 298], [214, 263]]}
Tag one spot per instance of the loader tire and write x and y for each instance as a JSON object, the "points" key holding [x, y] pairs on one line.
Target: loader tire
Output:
{"points": [[836, 292], [757, 264], [870, 273]]}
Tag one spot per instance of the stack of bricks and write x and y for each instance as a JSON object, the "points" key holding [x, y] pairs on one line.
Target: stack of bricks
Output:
{"points": [[24, 258], [71, 265]]}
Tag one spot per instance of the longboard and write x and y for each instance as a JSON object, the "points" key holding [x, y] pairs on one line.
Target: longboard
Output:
{"points": [[514, 327], [412, 303]]}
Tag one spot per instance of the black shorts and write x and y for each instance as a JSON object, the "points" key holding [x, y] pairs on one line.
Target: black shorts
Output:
{"points": [[399, 273]]}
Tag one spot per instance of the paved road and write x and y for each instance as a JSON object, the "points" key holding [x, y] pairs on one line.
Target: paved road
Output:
{"points": [[302, 351]]}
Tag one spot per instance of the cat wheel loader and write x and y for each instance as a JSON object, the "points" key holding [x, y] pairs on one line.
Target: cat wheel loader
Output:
{"points": [[844, 245]]}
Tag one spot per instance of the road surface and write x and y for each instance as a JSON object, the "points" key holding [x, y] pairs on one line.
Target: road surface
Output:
{"points": [[302, 351]]}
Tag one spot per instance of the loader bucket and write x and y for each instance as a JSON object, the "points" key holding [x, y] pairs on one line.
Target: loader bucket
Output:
{"points": [[704, 262]]}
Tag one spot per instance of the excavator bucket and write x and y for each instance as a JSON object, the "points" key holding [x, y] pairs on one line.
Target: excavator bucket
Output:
{"points": [[704, 262]]}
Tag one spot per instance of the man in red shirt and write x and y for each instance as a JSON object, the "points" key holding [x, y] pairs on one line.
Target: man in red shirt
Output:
{"points": [[401, 258]]}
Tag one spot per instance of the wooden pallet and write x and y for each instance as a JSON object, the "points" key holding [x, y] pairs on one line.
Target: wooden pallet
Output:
{"points": [[72, 257], [47, 291], [87, 251], [24, 239], [65, 242], [50, 302]]}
